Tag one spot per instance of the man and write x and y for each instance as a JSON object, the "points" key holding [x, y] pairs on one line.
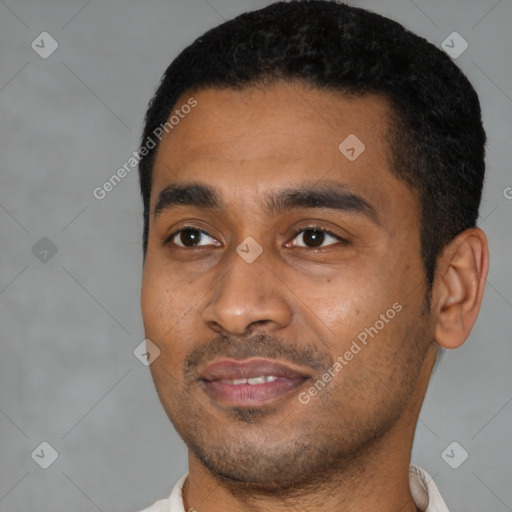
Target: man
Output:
{"points": [[311, 178]]}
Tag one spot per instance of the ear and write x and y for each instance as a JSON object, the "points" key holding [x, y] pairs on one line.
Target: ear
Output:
{"points": [[459, 287]]}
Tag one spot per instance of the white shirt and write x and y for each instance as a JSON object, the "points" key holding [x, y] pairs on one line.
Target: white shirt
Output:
{"points": [[423, 489]]}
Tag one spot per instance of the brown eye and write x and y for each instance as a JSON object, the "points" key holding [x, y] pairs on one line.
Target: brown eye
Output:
{"points": [[190, 237], [314, 237]]}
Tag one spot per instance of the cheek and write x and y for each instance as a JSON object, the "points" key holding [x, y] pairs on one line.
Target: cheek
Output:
{"points": [[150, 301], [160, 304], [347, 303], [169, 311]]}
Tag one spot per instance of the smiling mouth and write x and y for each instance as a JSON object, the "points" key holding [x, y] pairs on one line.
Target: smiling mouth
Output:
{"points": [[244, 393], [250, 382]]}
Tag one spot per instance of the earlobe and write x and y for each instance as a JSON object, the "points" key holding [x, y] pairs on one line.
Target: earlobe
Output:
{"points": [[459, 287]]}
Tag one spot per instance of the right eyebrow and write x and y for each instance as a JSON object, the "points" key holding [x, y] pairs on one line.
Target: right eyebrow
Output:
{"points": [[193, 194]]}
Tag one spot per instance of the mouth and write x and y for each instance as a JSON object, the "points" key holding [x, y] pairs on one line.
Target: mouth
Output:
{"points": [[250, 382]]}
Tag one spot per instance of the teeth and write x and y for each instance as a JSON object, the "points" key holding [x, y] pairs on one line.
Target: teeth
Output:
{"points": [[253, 380], [256, 380]]}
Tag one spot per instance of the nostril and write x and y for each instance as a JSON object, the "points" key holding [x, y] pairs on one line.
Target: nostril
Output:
{"points": [[256, 324], [214, 326]]}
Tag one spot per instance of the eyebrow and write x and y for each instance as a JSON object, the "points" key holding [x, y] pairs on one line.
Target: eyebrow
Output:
{"points": [[327, 195]]}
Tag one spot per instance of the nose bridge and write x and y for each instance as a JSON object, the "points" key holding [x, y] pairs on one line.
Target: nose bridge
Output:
{"points": [[249, 292]]}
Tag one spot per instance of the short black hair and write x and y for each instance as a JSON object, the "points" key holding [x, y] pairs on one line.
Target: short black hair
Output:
{"points": [[436, 137]]}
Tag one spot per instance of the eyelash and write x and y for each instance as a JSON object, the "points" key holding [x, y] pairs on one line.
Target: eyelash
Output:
{"points": [[298, 232]]}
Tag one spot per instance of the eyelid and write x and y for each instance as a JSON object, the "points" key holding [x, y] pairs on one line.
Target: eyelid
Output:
{"points": [[316, 227], [169, 238]]}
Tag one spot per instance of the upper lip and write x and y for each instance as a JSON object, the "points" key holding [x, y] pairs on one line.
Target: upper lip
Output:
{"points": [[230, 369]]}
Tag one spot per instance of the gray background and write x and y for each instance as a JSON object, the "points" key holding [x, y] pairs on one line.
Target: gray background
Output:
{"points": [[69, 325]]}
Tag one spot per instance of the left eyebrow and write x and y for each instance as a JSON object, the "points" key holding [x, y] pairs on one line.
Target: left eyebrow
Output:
{"points": [[327, 195], [330, 195]]}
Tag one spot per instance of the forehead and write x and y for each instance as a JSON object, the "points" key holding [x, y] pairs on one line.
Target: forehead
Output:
{"points": [[280, 135]]}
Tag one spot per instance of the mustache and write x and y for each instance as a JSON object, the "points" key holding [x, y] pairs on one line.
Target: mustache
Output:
{"points": [[258, 344]]}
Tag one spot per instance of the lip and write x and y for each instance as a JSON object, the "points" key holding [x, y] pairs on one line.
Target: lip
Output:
{"points": [[233, 369], [213, 375]]}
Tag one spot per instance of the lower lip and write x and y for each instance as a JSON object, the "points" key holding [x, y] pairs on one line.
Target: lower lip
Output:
{"points": [[251, 394]]}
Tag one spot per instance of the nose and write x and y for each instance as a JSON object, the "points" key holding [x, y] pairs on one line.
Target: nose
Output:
{"points": [[248, 295]]}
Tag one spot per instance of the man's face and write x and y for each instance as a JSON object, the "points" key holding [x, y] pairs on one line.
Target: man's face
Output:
{"points": [[337, 317]]}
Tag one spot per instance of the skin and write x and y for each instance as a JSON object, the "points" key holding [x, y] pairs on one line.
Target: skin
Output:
{"points": [[348, 448]]}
